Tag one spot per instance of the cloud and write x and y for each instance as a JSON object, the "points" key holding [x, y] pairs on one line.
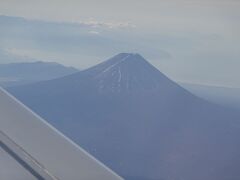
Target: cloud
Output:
{"points": [[16, 52], [94, 32], [91, 23], [110, 25]]}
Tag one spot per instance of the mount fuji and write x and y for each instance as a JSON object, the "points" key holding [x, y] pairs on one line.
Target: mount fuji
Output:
{"points": [[140, 123]]}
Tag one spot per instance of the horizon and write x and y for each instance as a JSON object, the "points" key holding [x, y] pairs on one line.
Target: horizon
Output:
{"points": [[57, 63]]}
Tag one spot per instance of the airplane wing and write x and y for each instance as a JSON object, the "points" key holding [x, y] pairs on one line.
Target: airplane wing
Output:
{"points": [[30, 149]]}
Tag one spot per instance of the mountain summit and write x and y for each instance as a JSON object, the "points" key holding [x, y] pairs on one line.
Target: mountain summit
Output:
{"points": [[125, 72], [138, 122]]}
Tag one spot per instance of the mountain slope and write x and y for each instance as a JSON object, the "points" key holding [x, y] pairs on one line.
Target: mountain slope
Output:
{"points": [[23, 73], [140, 123]]}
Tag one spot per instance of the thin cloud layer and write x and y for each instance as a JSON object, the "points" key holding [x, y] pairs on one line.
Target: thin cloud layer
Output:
{"points": [[110, 25]]}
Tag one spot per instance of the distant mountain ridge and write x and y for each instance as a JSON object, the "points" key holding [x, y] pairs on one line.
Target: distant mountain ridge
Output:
{"points": [[226, 96], [138, 122], [28, 72]]}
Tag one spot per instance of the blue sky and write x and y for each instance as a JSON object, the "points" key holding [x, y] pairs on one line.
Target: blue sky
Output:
{"points": [[188, 40]]}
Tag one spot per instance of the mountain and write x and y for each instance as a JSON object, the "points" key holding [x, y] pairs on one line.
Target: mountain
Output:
{"points": [[226, 96], [137, 121], [23, 73]]}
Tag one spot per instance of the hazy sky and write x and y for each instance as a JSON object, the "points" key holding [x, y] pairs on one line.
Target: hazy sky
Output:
{"points": [[189, 40]]}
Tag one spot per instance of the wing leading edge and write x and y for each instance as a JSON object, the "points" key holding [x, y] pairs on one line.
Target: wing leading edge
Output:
{"points": [[41, 149]]}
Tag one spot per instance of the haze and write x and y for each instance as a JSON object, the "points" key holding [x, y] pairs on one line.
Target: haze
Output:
{"points": [[189, 40]]}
